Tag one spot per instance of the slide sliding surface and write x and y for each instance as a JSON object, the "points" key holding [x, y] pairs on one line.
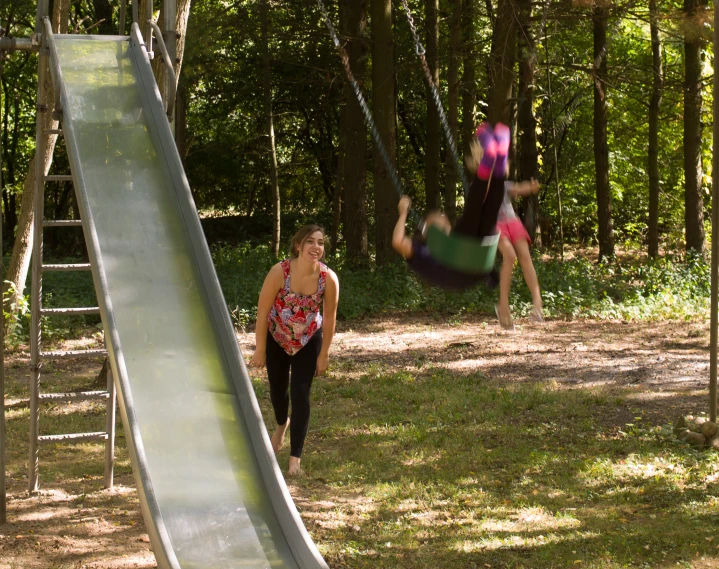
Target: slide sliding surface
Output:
{"points": [[212, 495]]}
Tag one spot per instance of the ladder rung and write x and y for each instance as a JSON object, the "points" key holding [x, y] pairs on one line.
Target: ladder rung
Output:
{"points": [[62, 223], [67, 311], [75, 396], [72, 437], [68, 267], [73, 354], [57, 178], [52, 131]]}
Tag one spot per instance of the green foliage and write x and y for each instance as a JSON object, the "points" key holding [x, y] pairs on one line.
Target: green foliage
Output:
{"points": [[577, 288], [16, 315]]}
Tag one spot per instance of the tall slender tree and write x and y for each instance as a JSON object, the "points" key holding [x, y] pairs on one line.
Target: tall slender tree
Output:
{"points": [[383, 109], [528, 155], [434, 132], [693, 202], [501, 61], [269, 126], [353, 133], [16, 275], [455, 40], [654, 108], [601, 146], [469, 89]]}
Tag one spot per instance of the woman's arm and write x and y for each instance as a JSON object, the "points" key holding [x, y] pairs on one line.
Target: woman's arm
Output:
{"points": [[329, 320], [274, 281]]}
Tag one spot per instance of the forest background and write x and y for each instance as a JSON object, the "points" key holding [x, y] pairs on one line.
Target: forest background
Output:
{"points": [[609, 103]]}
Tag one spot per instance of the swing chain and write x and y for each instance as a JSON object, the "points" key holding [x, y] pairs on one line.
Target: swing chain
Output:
{"points": [[365, 109], [437, 100]]}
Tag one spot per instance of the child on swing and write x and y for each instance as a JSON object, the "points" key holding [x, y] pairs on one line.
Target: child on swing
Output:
{"points": [[478, 220]]}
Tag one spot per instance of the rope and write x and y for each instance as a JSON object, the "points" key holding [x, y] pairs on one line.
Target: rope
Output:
{"points": [[420, 50], [365, 110]]}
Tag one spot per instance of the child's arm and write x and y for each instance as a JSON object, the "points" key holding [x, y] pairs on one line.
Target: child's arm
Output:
{"points": [[524, 188], [401, 243]]}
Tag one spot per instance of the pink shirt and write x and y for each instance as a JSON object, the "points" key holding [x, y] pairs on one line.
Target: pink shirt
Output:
{"points": [[294, 318]]}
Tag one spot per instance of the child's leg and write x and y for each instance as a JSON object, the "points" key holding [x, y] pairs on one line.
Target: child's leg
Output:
{"points": [[502, 138], [439, 219], [505, 281], [485, 135], [530, 275]]}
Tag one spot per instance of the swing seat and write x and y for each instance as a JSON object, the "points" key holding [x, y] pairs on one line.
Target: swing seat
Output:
{"points": [[462, 253]]}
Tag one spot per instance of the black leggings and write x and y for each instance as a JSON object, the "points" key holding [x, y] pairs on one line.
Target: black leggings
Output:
{"points": [[302, 367], [481, 208]]}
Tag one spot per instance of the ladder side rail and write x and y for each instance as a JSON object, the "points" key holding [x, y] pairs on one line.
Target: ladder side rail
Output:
{"points": [[36, 286], [110, 410]]}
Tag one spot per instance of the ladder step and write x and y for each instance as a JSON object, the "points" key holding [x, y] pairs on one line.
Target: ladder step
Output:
{"points": [[52, 131], [73, 354], [72, 437], [62, 223], [57, 178], [75, 396], [68, 267], [68, 311]]}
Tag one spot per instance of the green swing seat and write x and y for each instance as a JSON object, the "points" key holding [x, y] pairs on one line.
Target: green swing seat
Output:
{"points": [[462, 253]]}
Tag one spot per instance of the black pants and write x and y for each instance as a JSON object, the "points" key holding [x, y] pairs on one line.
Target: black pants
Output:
{"points": [[293, 374], [481, 208]]}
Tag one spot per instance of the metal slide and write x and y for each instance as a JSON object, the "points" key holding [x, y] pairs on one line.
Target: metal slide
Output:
{"points": [[211, 492]]}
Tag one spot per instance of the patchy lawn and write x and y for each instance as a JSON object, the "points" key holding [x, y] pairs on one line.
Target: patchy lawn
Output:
{"points": [[433, 444]]}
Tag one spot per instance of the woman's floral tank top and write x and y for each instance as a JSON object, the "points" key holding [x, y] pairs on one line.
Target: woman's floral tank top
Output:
{"points": [[294, 318]]}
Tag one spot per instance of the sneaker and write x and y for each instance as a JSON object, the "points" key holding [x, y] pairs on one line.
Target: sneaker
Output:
{"points": [[505, 323]]}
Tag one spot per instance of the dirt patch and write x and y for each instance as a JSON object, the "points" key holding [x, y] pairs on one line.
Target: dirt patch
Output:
{"points": [[662, 368]]}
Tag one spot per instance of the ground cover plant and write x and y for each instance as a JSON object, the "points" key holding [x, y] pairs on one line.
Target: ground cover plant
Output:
{"points": [[436, 442]]}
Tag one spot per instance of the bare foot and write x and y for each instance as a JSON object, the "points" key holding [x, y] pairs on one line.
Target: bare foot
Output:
{"points": [[505, 317], [278, 438], [294, 469]]}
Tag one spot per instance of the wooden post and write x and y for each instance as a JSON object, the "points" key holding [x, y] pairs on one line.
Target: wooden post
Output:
{"points": [[715, 228]]}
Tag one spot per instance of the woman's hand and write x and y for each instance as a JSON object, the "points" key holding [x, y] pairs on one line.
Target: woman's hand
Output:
{"points": [[259, 358], [323, 362]]}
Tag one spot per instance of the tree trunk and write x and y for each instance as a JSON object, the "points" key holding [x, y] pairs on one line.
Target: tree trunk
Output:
{"points": [[601, 147], [526, 122], [693, 202], [158, 66], [469, 90], [181, 120], [434, 132], [267, 88], [501, 62], [455, 40], [654, 107], [22, 249], [383, 109], [103, 15], [353, 187]]}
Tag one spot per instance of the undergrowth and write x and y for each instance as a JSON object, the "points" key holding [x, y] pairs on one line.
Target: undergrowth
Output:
{"points": [[667, 288]]}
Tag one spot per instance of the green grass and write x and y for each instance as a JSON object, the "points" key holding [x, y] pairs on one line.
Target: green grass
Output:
{"points": [[435, 469]]}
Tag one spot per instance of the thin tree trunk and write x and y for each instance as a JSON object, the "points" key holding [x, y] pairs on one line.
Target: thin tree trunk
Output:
{"points": [[267, 88], [501, 62], [384, 111], [434, 132], [103, 15], [601, 147], [158, 66], [654, 107], [469, 90], [353, 187], [22, 249], [526, 121], [455, 40], [693, 202]]}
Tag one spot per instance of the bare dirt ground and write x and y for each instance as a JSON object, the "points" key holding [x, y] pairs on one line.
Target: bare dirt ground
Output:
{"points": [[662, 368]]}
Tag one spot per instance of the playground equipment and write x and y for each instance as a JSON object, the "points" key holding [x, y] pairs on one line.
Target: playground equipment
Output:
{"points": [[210, 489]]}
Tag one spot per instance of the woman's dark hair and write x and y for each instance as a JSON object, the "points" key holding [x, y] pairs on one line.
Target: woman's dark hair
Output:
{"points": [[301, 236]]}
